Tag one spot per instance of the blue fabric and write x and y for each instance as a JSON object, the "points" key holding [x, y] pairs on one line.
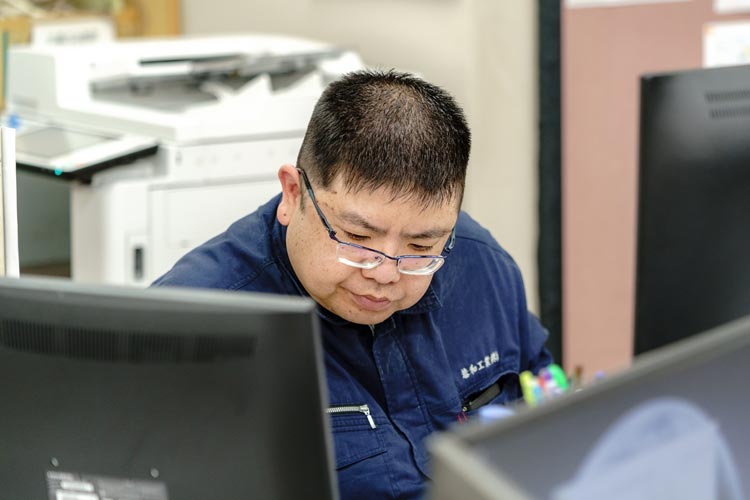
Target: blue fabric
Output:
{"points": [[471, 329]]}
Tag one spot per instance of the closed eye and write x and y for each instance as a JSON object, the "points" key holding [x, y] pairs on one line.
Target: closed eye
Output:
{"points": [[422, 248], [356, 237]]}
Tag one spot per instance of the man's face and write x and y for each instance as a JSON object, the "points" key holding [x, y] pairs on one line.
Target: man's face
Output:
{"points": [[371, 219]]}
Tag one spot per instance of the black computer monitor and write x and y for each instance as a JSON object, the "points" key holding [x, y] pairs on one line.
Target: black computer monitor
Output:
{"points": [[693, 250], [160, 394]]}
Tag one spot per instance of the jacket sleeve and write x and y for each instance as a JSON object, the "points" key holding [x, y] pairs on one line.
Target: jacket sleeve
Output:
{"points": [[538, 356], [534, 354]]}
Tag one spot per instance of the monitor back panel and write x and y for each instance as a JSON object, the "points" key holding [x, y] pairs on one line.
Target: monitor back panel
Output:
{"points": [[693, 270], [543, 448], [175, 406]]}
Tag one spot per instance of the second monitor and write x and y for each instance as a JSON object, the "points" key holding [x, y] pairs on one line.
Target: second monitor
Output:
{"points": [[693, 258]]}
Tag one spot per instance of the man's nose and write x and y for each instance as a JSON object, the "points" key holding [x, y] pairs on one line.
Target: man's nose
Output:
{"points": [[385, 273]]}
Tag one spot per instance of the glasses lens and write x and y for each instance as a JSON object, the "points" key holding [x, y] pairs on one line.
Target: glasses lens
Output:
{"points": [[419, 265], [358, 257], [363, 258]]}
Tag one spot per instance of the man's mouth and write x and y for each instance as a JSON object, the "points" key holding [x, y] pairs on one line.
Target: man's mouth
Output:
{"points": [[371, 302]]}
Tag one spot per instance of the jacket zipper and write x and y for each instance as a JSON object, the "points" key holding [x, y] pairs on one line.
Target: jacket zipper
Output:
{"points": [[364, 409]]}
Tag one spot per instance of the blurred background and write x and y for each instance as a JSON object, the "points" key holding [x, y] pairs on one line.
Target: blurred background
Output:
{"points": [[550, 89]]}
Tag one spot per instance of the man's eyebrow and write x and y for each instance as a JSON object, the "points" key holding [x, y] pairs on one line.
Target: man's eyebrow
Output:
{"points": [[358, 220], [427, 235]]}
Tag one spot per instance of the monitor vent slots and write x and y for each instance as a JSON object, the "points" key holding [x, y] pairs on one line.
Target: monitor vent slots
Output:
{"points": [[728, 95], [736, 112], [735, 103], [102, 345]]}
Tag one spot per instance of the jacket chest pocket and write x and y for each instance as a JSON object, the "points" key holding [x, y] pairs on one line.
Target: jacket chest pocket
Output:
{"points": [[361, 466], [498, 388], [355, 434], [501, 389]]}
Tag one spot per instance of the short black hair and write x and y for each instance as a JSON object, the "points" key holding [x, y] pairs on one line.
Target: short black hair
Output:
{"points": [[386, 129]]}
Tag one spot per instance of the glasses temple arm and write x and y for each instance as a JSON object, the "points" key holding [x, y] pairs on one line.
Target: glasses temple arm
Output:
{"points": [[451, 241], [323, 220]]}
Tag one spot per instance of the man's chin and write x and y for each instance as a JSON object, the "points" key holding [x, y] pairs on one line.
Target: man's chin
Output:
{"points": [[362, 316], [367, 317], [362, 310]]}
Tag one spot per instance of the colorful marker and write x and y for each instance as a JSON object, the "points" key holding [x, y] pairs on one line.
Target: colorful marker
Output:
{"points": [[559, 376], [526, 378]]}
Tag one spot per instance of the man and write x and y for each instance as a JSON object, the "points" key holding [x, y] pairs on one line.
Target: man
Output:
{"points": [[423, 315]]}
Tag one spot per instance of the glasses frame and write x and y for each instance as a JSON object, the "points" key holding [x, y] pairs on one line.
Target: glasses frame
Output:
{"points": [[332, 234]]}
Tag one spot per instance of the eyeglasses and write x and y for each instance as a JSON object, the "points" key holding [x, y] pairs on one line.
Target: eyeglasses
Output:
{"points": [[355, 255]]}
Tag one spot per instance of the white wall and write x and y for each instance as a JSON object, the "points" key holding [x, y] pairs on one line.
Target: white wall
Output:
{"points": [[482, 51]]}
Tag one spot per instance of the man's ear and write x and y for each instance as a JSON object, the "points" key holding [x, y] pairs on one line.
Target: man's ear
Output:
{"points": [[291, 193]]}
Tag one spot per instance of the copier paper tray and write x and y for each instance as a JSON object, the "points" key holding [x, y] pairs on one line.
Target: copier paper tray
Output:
{"points": [[77, 154]]}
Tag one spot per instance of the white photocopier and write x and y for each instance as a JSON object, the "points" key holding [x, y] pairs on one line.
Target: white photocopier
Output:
{"points": [[165, 141]]}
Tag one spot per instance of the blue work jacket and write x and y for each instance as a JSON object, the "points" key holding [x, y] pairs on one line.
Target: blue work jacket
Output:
{"points": [[390, 385]]}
